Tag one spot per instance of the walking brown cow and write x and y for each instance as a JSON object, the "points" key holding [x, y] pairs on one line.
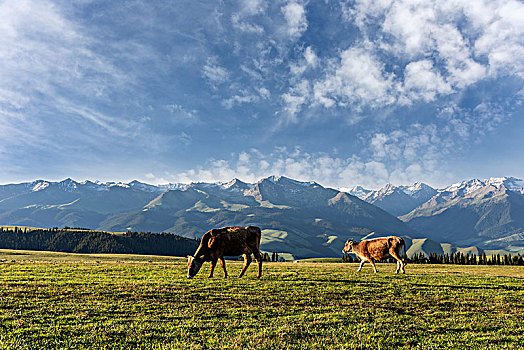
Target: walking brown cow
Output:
{"points": [[226, 241], [377, 249]]}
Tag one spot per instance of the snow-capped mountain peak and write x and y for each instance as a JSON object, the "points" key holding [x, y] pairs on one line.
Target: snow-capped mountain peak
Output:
{"points": [[419, 190], [236, 185], [40, 185], [68, 185], [358, 191], [511, 183], [464, 187]]}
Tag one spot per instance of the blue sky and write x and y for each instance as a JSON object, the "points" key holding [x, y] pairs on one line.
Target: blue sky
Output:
{"points": [[338, 92]]}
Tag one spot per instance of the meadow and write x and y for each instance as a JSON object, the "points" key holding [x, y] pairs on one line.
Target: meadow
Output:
{"points": [[60, 300]]}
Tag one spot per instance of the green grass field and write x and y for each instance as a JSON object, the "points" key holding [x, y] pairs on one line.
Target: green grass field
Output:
{"points": [[58, 300]]}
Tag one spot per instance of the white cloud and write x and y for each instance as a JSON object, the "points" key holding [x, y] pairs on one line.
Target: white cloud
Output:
{"points": [[459, 32], [462, 69], [246, 97], [310, 60], [358, 79], [406, 52], [411, 23], [252, 7], [502, 34], [423, 82], [48, 64], [440, 49], [245, 26], [329, 170], [264, 93], [42, 53], [181, 115], [56, 73], [311, 57], [239, 99], [295, 16], [215, 73], [294, 99]]}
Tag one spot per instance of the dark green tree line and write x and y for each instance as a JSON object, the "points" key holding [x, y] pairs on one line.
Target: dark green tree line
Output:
{"points": [[83, 241]]}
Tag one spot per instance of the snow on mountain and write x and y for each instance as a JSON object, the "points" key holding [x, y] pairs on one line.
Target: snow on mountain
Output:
{"points": [[144, 187], [397, 200], [419, 190], [171, 186], [40, 185], [511, 183], [358, 191], [117, 184], [470, 188], [282, 180], [463, 188], [68, 185], [387, 190], [236, 185]]}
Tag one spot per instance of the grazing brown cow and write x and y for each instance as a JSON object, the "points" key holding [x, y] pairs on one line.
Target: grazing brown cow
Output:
{"points": [[377, 249], [226, 241]]}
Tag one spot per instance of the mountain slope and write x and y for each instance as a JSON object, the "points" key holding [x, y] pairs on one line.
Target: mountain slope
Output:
{"points": [[304, 219], [397, 200], [487, 213]]}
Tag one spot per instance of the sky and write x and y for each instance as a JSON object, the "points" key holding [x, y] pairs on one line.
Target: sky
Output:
{"points": [[344, 93]]}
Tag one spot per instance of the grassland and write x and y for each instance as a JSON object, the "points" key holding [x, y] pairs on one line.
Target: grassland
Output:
{"points": [[58, 300]]}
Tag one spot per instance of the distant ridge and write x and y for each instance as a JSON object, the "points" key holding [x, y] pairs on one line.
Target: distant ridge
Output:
{"points": [[302, 218], [488, 213]]}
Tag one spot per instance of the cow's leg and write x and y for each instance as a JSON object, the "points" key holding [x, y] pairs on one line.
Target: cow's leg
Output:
{"points": [[400, 263], [247, 261], [213, 264], [361, 264], [258, 256], [373, 264], [223, 264]]}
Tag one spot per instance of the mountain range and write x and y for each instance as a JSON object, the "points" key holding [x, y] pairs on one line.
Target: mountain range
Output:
{"points": [[488, 213], [304, 219]]}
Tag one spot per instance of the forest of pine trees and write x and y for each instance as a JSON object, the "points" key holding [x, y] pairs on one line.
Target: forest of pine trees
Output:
{"points": [[87, 241], [456, 258]]}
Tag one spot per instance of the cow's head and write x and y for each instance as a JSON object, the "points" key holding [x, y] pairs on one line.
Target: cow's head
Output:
{"points": [[194, 263], [348, 248]]}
